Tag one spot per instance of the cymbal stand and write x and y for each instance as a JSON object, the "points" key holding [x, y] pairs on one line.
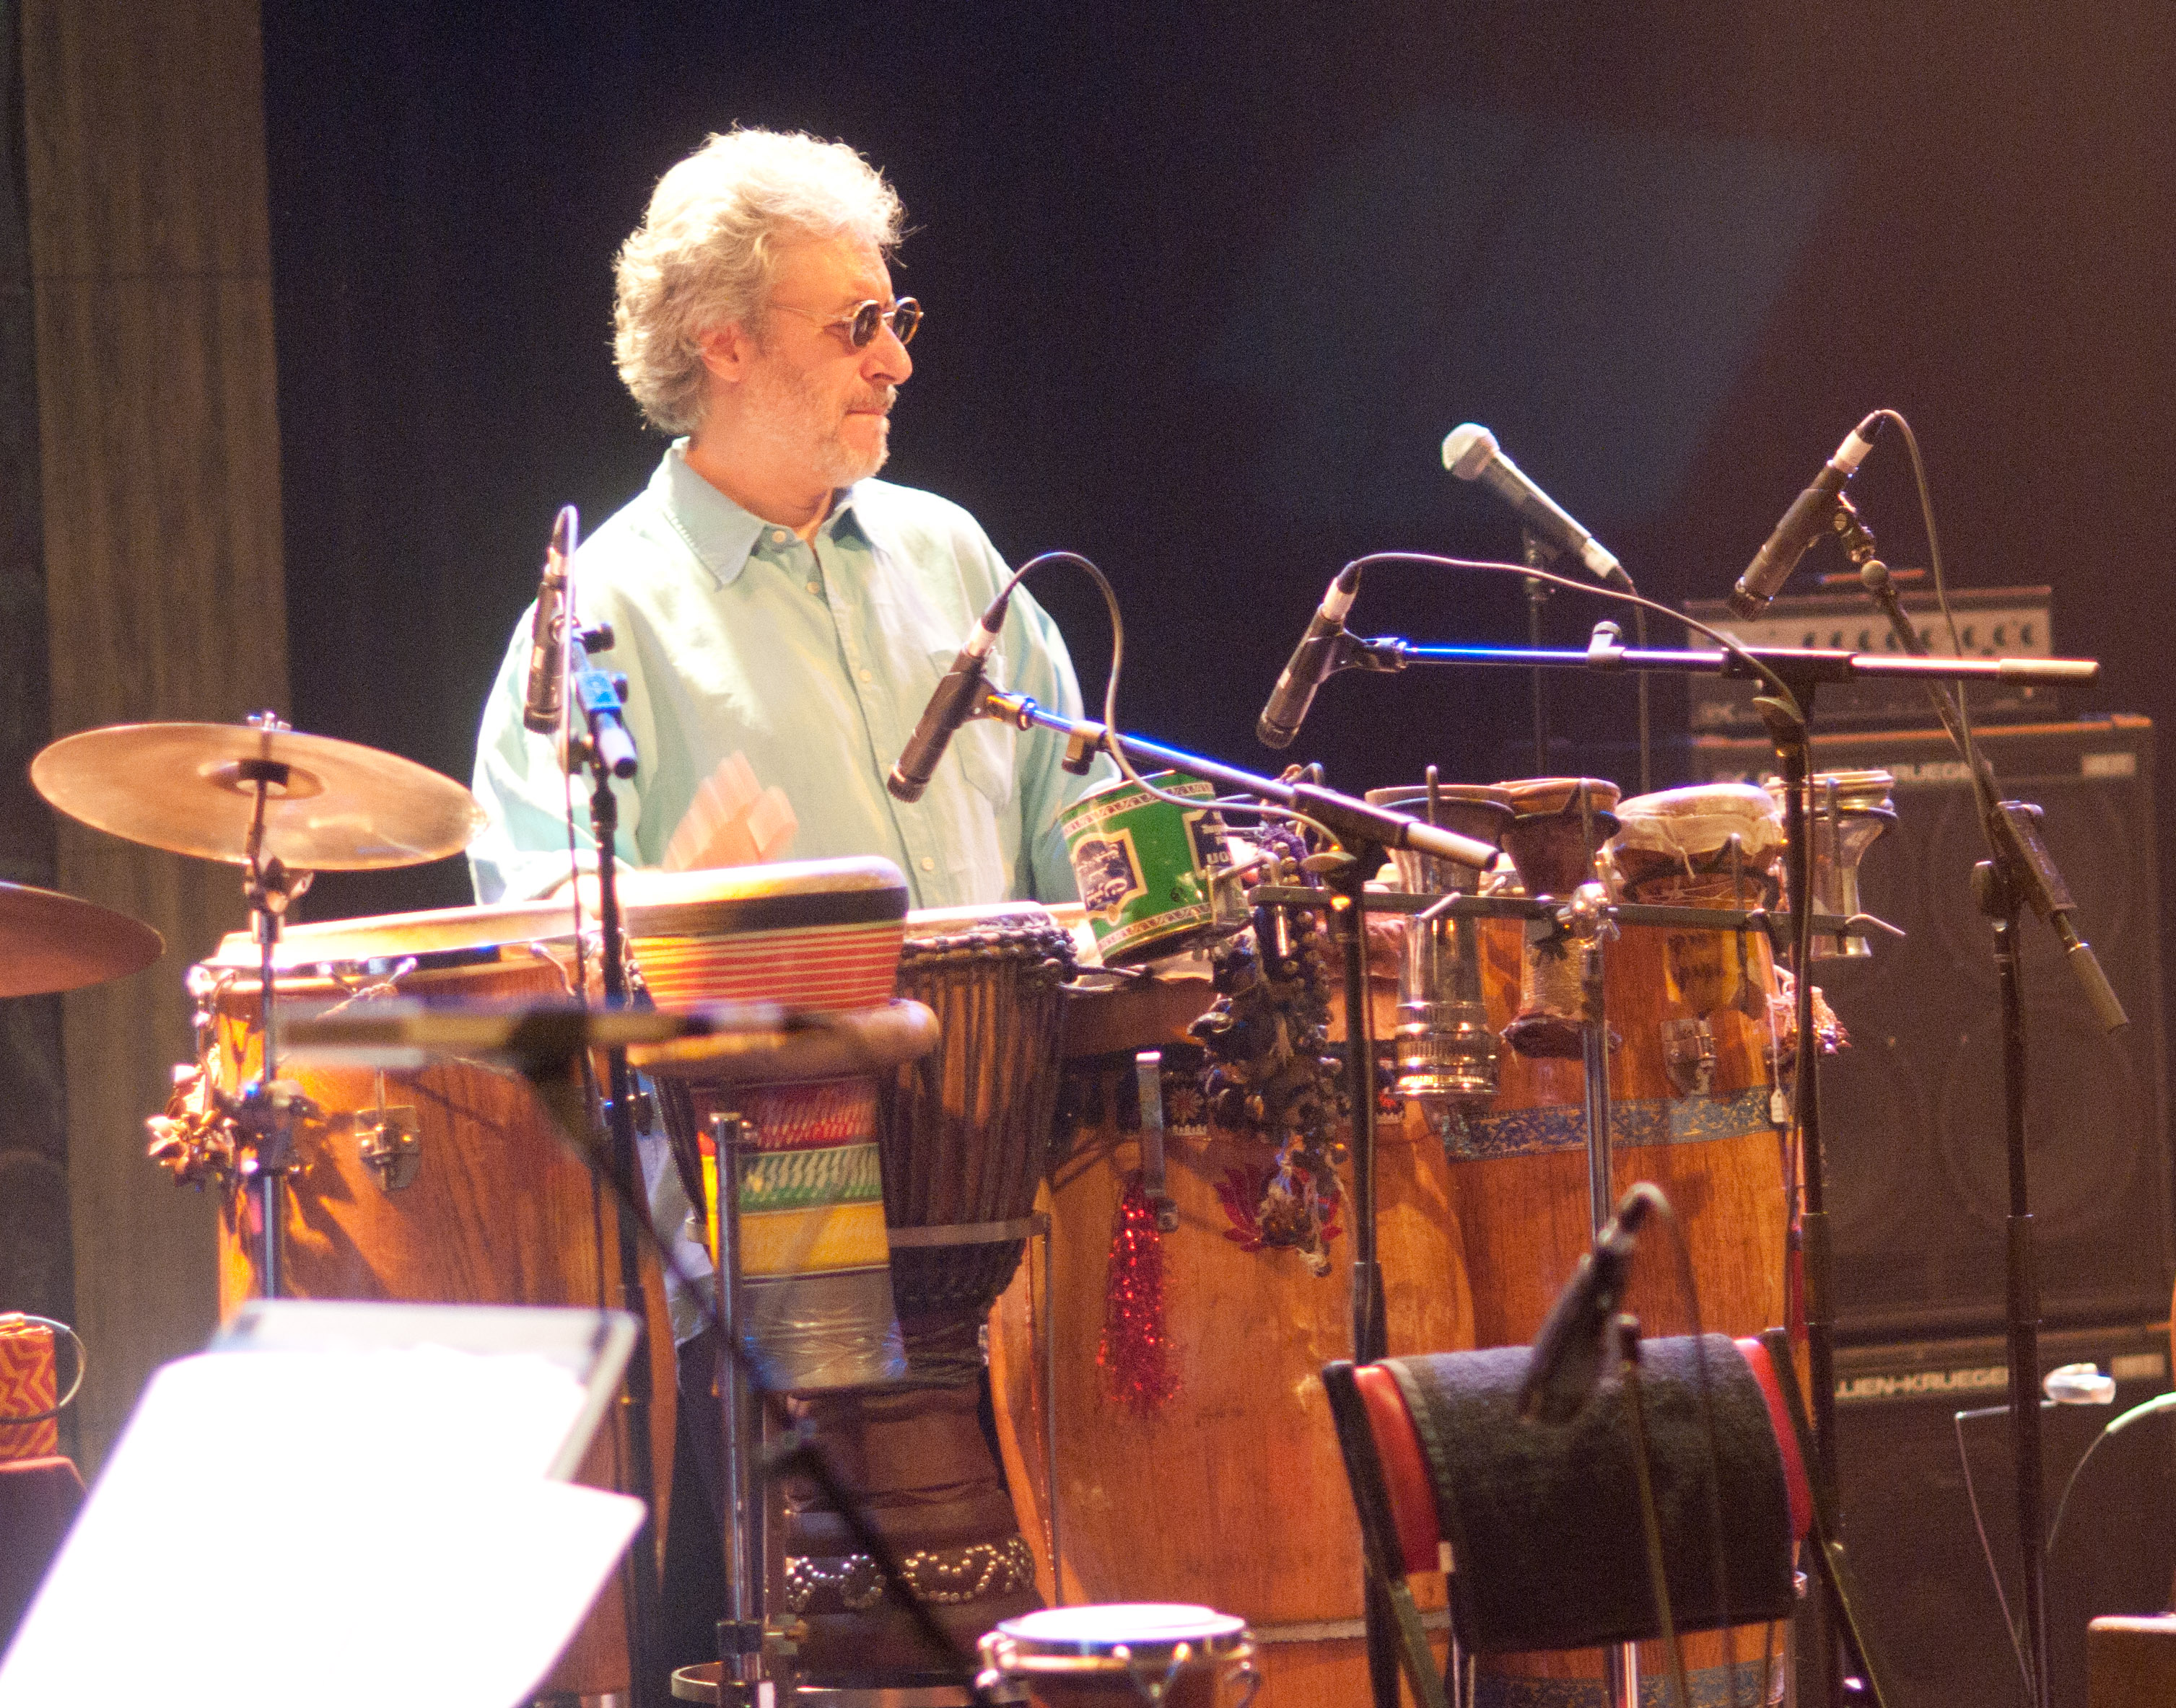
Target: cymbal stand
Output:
{"points": [[266, 1111]]}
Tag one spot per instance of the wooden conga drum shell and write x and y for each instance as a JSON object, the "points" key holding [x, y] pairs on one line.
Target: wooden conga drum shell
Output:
{"points": [[500, 1211], [1518, 1199], [1231, 1492]]}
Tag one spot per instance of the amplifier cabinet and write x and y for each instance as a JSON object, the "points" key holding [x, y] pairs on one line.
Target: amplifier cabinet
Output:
{"points": [[1930, 1608], [1911, 1114]]}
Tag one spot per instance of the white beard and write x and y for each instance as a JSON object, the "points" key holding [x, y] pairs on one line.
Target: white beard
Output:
{"points": [[791, 418]]}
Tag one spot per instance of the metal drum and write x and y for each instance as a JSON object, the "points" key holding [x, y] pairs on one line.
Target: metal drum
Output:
{"points": [[1145, 866], [965, 1133], [1225, 1484], [1121, 1657], [1847, 812], [1447, 1049], [448, 1184]]}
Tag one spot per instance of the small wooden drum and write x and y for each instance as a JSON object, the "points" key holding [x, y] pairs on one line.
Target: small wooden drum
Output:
{"points": [[1715, 846], [1121, 1655], [819, 935], [965, 1133], [1558, 827]]}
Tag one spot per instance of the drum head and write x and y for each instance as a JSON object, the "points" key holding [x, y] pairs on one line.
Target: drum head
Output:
{"points": [[1699, 820], [1140, 1626]]}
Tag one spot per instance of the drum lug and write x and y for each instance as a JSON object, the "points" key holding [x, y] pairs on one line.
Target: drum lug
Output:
{"points": [[1148, 1072], [1689, 1055], [390, 1143]]}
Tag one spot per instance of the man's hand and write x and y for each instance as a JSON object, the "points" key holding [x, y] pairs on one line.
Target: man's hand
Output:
{"points": [[733, 821]]}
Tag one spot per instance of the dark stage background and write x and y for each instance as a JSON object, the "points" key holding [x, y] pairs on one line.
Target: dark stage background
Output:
{"points": [[1207, 286]]}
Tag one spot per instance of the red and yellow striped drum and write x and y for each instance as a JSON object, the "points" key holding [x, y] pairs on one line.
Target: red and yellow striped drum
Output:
{"points": [[816, 935]]}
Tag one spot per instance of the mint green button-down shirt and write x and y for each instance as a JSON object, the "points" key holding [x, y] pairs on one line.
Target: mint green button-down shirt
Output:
{"points": [[813, 659]]}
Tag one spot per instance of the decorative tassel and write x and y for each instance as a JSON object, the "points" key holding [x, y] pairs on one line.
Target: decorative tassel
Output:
{"points": [[1135, 1353]]}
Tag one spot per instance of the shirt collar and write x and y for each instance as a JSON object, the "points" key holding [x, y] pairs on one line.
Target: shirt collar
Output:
{"points": [[719, 532]]}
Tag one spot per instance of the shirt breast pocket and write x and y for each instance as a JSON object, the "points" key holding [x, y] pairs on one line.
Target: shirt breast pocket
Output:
{"points": [[985, 751]]}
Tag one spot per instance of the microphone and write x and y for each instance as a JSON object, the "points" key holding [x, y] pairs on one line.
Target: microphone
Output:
{"points": [[1569, 1351], [543, 707], [1312, 661], [958, 692], [1471, 453], [1802, 523]]}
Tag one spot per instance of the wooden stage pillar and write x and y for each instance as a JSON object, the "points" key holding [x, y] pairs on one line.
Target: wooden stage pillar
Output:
{"points": [[159, 466]]}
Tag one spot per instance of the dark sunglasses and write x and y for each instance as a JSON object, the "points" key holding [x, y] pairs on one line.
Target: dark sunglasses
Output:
{"points": [[861, 323]]}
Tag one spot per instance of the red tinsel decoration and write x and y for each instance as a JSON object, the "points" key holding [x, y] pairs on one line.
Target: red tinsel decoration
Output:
{"points": [[1134, 1355]]}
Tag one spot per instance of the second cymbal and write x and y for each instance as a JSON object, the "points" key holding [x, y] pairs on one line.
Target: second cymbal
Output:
{"points": [[51, 942]]}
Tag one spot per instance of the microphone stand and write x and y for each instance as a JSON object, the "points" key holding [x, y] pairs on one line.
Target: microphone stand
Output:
{"points": [[605, 747], [1802, 671], [2019, 872], [1535, 556]]}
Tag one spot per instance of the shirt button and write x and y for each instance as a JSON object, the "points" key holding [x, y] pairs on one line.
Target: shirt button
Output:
{"points": [[929, 864], [778, 536], [815, 586], [866, 676]]}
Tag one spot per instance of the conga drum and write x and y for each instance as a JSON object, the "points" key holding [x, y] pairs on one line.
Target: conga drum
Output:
{"points": [[1517, 1183], [446, 1184], [1195, 1456]]}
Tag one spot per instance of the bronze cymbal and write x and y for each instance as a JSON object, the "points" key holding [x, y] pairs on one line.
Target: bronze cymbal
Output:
{"points": [[49, 942], [331, 806]]}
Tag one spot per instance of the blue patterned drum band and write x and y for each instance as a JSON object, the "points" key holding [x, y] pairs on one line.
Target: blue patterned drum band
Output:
{"points": [[796, 1179], [1632, 1120]]}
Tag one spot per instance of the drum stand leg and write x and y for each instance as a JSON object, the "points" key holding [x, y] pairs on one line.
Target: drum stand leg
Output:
{"points": [[740, 1632], [1370, 1342], [1621, 1660]]}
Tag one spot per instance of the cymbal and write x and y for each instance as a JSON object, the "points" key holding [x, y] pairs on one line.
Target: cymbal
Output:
{"points": [[49, 942], [331, 806]]}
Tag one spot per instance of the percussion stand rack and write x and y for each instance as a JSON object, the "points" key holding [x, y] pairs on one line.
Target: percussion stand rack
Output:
{"points": [[1364, 832], [1801, 669], [607, 750]]}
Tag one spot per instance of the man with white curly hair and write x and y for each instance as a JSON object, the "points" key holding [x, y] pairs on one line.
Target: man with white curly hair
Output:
{"points": [[782, 616]]}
